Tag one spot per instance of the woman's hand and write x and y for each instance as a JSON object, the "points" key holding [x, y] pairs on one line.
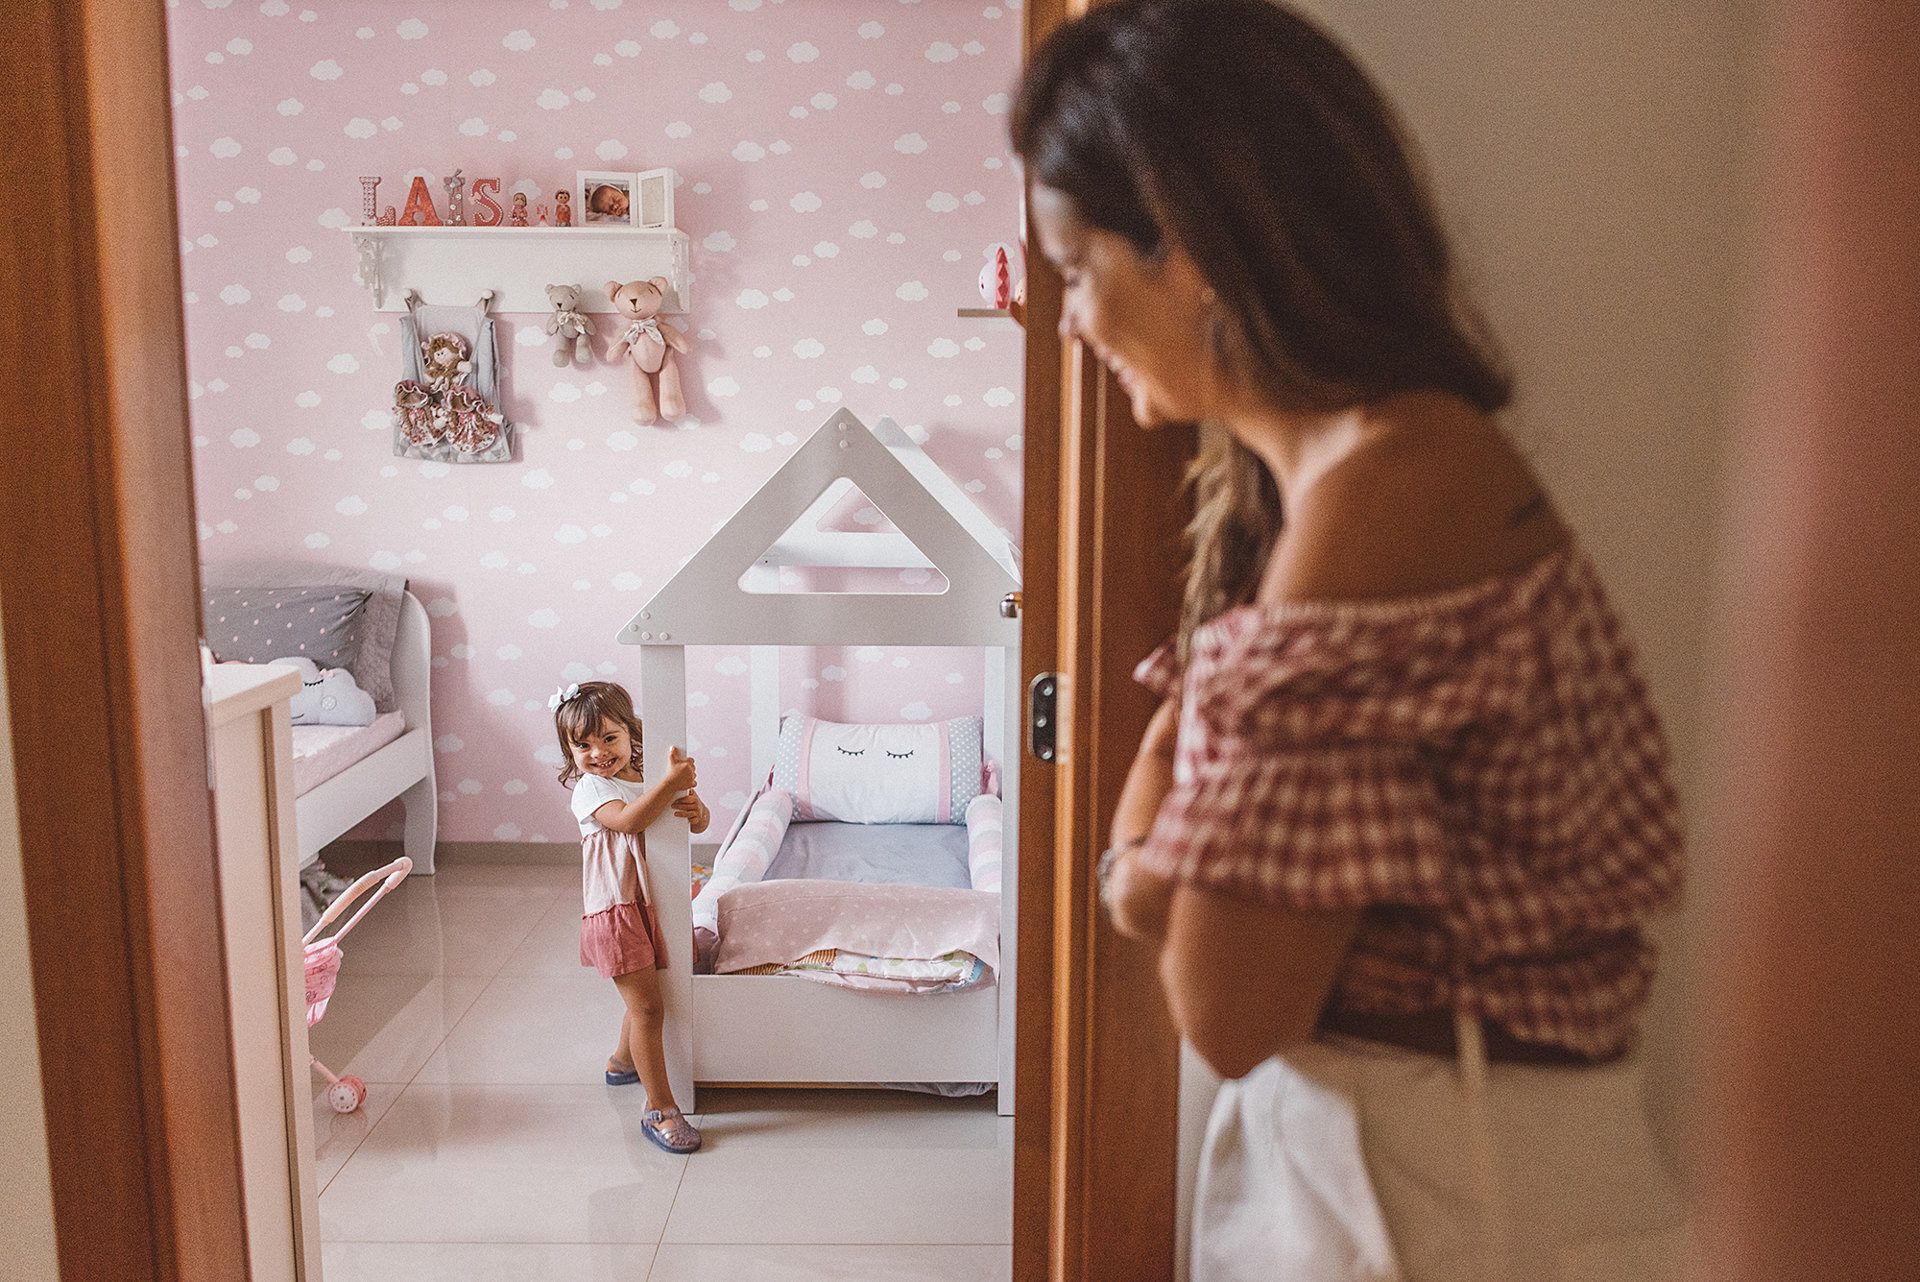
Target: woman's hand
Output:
{"points": [[689, 807], [1139, 900]]}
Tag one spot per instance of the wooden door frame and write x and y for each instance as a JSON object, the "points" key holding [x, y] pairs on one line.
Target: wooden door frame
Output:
{"points": [[99, 572], [1097, 1103]]}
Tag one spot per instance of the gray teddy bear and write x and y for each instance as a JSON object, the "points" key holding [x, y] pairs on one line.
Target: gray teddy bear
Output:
{"points": [[570, 324]]}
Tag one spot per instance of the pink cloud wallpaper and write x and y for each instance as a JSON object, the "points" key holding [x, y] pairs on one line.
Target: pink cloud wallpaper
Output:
{"points": [[844, 177]]}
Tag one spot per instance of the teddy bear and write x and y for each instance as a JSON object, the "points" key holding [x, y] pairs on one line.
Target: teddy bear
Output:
{"points": [[650, 344], [571, 324]]}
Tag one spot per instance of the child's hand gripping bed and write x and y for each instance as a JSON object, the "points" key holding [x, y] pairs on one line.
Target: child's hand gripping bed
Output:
{"points": [[848, 870]]}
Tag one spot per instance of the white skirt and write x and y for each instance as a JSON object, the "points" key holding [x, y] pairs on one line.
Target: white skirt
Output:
{"points": [[1354, 1161]]}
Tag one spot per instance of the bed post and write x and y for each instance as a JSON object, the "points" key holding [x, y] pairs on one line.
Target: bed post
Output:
{"points": [[763, 718], [663, 718]]}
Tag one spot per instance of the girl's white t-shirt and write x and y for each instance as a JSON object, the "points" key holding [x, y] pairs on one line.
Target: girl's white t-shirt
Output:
{"points": [[590, 792]]}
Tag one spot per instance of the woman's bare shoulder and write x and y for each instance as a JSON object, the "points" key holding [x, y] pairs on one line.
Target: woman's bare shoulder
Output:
{"points": [[1408, 516]]}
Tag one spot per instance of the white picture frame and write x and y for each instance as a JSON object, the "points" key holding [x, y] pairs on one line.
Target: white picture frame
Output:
{"points": [[652, 204], [591, 185]]}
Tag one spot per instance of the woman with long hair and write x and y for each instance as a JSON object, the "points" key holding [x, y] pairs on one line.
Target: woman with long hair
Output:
{"points": [[1405, 807]]}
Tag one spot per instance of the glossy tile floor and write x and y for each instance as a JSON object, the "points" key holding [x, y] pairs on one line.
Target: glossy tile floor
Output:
{"points": [[488, 1148]]}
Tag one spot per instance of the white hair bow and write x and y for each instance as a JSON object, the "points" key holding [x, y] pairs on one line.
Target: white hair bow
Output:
{"points": [[561, 695]]}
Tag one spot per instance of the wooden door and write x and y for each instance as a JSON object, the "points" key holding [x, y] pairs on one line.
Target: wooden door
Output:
{"points": [[97, 566], [1096, 1115]]}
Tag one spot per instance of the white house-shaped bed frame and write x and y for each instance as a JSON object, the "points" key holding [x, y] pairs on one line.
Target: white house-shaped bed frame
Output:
{"points": [[761, 1028]]}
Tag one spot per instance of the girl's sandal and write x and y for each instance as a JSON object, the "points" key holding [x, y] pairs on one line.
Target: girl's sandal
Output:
{"points": [[670, 1129]]}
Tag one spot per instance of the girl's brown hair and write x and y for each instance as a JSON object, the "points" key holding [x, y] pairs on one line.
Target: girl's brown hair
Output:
{"points": [[1240, 132], [580, 717]]}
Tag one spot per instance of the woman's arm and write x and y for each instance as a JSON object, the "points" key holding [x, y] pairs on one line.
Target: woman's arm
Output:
{"points": [[1138, 900], [1245, 980], [639, 814]]}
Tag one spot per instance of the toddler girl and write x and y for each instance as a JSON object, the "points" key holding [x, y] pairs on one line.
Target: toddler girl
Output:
{"points": [[619, 930]]}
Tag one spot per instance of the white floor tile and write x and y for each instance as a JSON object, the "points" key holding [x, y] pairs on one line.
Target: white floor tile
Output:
{"points": [[841, 1263], [426, 927], [552, 947], [337, 1135], [484, 1262], [504, 1164], [555, 876], [506, 1158], [847, 1167], [383, 1027], [529, 1029]]}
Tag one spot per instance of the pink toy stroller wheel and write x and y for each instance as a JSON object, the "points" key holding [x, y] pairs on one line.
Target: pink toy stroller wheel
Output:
{"points": [[321, 962], [346, 1094]]}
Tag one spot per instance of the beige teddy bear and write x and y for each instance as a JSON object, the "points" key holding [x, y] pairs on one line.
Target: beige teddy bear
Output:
{"points": [[650, 344]]}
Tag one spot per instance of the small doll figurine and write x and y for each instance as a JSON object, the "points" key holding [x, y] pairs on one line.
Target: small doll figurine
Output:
{"points": [[543, 213], [518, 217], [650, 345], [563, 208]]}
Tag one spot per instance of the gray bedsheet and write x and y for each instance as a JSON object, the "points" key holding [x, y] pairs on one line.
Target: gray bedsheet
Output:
{"points": [[878, 854]]}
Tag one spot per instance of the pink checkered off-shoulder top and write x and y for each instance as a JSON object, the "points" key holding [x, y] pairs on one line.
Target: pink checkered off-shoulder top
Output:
{"points": [[1480, 771]]}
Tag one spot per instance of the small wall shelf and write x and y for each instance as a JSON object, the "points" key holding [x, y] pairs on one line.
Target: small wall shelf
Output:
{"points": [[458, 264]]}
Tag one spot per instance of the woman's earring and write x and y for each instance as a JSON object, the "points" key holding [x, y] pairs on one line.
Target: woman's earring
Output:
{"points": [[1207, 296]]}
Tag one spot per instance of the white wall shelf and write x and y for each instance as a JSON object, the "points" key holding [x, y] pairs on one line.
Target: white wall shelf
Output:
{"points": [[455, 265]]}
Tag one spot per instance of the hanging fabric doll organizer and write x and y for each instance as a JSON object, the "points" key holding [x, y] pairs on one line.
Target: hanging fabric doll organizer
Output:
{"points": [[446, 404]]}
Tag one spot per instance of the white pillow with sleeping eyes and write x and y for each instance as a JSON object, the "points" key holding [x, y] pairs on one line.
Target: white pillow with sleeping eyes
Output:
{"points": [[328, 696], [879, 774]]}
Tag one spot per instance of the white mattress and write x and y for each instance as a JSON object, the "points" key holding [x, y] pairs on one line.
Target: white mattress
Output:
{"points": [[321, 752]]}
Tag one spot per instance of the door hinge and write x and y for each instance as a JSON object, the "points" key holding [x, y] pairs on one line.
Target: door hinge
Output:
{"points": [[1043, 715]]}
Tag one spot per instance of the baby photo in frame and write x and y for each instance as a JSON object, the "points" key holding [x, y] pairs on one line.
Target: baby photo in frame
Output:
{"points": [[606, 198]]}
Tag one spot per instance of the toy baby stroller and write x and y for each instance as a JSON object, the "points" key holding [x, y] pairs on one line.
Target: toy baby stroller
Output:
{"points": [[323, 958]]}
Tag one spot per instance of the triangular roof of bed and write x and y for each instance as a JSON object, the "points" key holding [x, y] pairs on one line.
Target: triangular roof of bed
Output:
{"points": [[704, 604]]}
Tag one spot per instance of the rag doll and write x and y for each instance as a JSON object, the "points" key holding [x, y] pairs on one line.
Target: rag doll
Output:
{"points": [[413, 408]]}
